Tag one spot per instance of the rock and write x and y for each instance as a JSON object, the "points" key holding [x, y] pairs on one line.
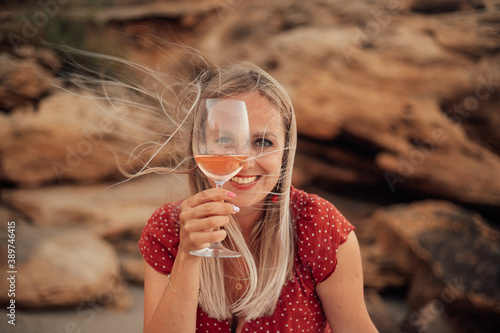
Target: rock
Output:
{"points": [[141, 11], [132, 267], [404, 145], [473, 33], [7, 214], [476, 109], [431, 318], [75, 138], [379, 312], [331, 164], [45, 57], [21, 81], [440, 6], [372, 82], [60, 267], [53, 144], [450, 254], [111, 210], [379, 267], [368, 81]]}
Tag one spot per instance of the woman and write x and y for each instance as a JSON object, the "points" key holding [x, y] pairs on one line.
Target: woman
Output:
{"points": [[301, 267]]}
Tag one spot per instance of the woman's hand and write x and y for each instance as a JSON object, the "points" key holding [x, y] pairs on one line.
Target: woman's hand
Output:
{"points": [[170, 305], [200, 214]]}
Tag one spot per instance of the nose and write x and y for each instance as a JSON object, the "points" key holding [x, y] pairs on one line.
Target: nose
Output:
{"points": [[250, 162]]}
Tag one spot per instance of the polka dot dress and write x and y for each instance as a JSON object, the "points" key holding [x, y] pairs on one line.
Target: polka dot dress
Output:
{"points": [[320, 229]]}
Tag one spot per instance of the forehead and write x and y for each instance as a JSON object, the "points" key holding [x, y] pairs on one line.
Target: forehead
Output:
{"points": [[262, 115]]}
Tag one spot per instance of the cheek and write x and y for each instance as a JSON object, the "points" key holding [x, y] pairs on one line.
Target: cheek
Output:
{"points": [[272, 165]]}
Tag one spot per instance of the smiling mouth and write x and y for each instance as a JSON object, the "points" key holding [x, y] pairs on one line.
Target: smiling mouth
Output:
{"points": [[244, 180]]}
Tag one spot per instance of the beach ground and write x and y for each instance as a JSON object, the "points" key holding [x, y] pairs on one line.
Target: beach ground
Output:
{"points": [[90, 319]]}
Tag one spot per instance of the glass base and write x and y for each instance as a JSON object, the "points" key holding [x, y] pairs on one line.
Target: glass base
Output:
{"points": [[216, 250]]}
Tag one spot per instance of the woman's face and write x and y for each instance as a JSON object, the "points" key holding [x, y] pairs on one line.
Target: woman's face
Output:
{"points": [[261, 172]]}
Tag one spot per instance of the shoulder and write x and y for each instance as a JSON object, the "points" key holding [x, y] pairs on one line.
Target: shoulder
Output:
{"points": [[311, 209], [166, 215], [164, 221], [159, 239], [320, 229]]}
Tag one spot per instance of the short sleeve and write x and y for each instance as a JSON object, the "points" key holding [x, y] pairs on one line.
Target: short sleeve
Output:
{"points": [[159, 241], [321, 229]]}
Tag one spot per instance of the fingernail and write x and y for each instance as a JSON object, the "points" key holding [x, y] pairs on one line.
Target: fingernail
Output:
{"points": [[236, 208], [230, 194]]}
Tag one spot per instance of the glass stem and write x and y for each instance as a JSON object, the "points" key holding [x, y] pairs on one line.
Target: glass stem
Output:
{"points": [[218, 184]]}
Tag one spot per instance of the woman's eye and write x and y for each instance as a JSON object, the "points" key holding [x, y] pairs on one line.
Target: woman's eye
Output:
{"points": [[264, 143], [223, 140]]}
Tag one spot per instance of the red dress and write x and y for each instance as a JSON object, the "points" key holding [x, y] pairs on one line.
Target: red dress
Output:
{"points": [[320, 229]]}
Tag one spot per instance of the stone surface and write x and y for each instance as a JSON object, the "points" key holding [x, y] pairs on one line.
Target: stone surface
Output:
{"points": [[379, 312], [111, 210], [132, 267], [71, 138], [431, 318], [398, 96], [7, 214], [379, 90], [146, 9], [477, 110], [473, 33], [443, 6], [43, 56], [21, 81], [379, 267], [369, 80], [60, 267], [451, 256]]}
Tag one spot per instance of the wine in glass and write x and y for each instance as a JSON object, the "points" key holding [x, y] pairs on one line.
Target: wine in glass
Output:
{"points": [[220, 146]]}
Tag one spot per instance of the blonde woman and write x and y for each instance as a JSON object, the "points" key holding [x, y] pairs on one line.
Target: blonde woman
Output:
{"points": [[301, 267]]}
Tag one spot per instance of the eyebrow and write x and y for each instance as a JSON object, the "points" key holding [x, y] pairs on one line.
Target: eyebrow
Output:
{"points": [[264, 135]]}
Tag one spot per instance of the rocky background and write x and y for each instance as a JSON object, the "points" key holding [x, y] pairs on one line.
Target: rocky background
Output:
{"points": [[398, 109]]}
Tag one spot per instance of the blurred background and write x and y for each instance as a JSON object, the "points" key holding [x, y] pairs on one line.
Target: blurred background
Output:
{"points": [[398, 112]]}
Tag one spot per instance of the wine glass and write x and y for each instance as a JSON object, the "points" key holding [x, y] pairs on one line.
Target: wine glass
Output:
{"points": [[221, 141]]}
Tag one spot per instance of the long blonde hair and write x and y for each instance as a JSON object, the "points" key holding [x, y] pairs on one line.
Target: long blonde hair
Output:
{"points": [[172, 99], [269, 255]]}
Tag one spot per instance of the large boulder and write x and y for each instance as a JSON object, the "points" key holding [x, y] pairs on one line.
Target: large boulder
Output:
{"points": [[472, 32], [379, 312], [111, 210], [396, 135], [431, 318], [21, 81], [374, 86], [63, 267], [477, 110], [443, 6], [74, 137], [451, 257]]}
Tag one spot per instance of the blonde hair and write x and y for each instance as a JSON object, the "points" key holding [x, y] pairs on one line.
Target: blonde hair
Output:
{"points": [[172, 99], [269, 266]]}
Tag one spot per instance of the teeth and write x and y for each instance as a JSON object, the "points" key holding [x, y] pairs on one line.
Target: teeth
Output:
{"points": [[244, 180]]}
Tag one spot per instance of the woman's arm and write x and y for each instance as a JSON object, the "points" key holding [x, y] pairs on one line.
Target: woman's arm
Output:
{"points": [[171, 306], [341, 294], [166, 310]]}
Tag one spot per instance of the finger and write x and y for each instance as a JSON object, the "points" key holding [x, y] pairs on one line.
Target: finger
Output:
{"points": [[214, 208], [207, 209], [202, 240], [208, 223], [210, 195]]}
